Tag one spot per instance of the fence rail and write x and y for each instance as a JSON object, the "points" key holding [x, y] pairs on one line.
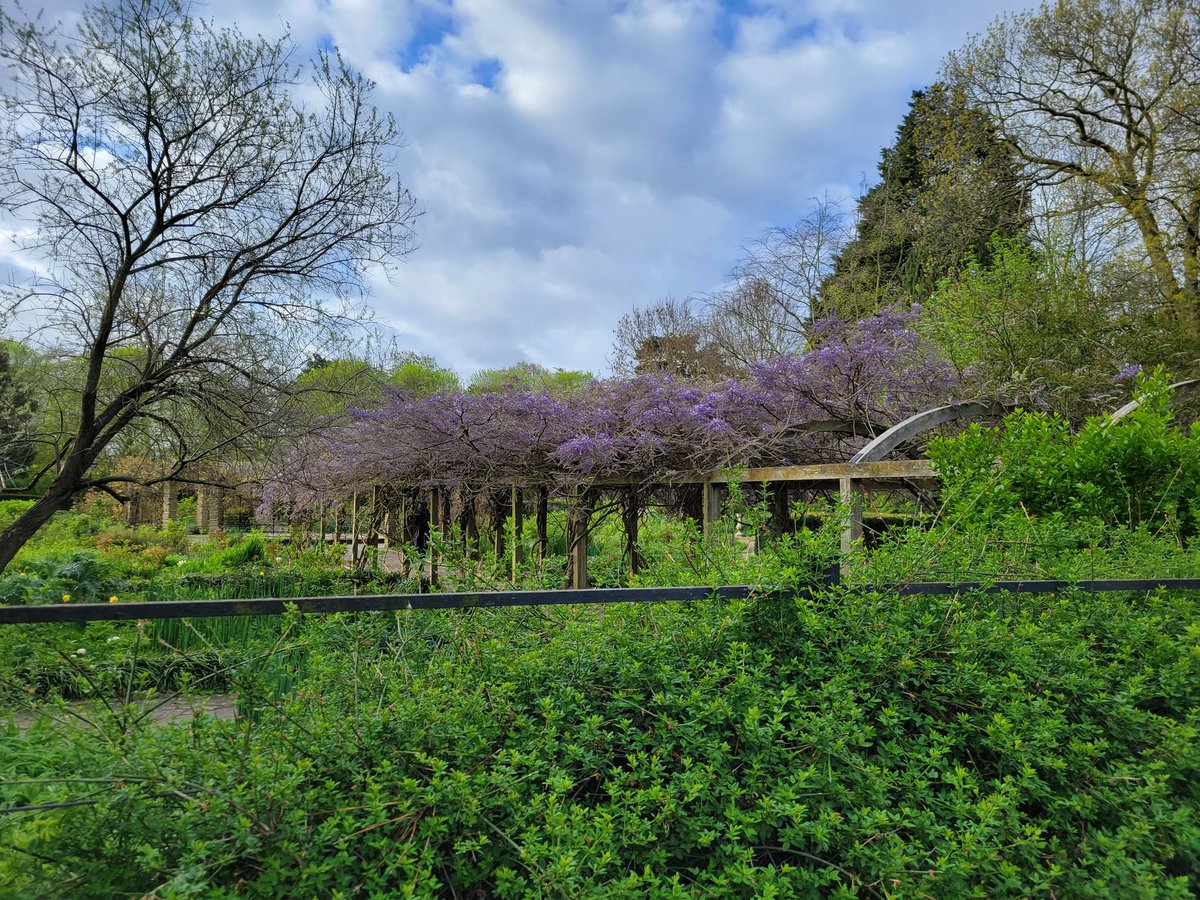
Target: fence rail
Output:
{"points": [[182, 609]]}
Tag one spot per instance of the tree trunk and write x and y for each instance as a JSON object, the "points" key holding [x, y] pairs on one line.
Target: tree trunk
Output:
{"points": [[15, 536]]}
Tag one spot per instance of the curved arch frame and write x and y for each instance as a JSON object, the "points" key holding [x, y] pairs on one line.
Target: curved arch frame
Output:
{"points": [[905, 431], [1187, 388]]}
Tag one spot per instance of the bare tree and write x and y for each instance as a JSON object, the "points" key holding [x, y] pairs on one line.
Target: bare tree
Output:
{"points": [[1104, 92], [769, 309], [197, 223], [667, 336]]}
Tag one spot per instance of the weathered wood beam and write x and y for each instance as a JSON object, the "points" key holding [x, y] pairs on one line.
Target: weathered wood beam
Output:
{"points": [[436, 526], [712, 507], [884, 470]]}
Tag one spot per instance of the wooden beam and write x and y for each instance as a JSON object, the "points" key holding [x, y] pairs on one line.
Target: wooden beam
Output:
{"points": [[630, 516], [578, 520], [922, 422], [543, 532], [884, 470], [354, 530], [851, 497], [435, 536]]}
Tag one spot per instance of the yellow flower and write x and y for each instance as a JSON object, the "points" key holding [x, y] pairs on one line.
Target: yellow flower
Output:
{"points": [[113, 600], [66, 598]]}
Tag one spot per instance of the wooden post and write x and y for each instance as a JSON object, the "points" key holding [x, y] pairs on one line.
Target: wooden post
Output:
{"points": [[781, 512], [711, 504], [498, 507], [374, 528], [436, 522], [517, 510], [851, 496], [543, 515], [630, 514], [354, 530], [578, 520]]}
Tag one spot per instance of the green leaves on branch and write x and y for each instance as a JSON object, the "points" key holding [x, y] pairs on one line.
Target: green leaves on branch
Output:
{"points": [[1137, 471]]}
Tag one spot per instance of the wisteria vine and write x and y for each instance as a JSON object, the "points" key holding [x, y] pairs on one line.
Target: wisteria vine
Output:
{"points": [[872, 373]]}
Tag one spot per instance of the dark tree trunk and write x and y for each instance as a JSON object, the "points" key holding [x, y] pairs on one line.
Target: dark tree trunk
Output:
{"points": [[15, 536]]}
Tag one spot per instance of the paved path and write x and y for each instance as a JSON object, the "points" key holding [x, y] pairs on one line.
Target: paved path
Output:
{"points": [[161, 710]]}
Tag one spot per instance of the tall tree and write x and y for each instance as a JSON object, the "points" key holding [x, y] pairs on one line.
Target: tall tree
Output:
{"points": [[669, 336], [191, 214], [946, 187], [770, 307], [1105, 92], [1032, 327]]}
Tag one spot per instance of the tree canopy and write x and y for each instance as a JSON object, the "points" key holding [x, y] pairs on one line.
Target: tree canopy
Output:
{"points": [[1103, 93], [198, 225]]}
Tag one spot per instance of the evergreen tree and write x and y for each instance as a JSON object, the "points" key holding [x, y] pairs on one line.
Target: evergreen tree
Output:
{"points": [[947, 185]]}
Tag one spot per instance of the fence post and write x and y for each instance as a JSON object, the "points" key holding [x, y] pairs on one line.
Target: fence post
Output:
{"points": [[711, 505], [851, 496]]}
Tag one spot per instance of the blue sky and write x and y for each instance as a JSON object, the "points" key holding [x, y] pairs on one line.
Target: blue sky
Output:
{"points": [[575, 159]]}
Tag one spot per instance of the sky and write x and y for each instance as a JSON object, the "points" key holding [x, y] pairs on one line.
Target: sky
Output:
{"points": [[575, 158]]}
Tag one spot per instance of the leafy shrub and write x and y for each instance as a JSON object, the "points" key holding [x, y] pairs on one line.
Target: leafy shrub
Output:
{"points": [[832, 744], [1139, 470]]}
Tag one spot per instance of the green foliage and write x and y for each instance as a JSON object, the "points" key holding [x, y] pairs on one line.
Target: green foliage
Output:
{"points": [[835, 744], [802, 743], [527, 376], [1138, 471], [423, 378], [1029, 325], [328, 389], [948, 184]]}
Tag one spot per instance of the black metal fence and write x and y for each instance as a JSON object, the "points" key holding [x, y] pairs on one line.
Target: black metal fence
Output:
{"points": [[181, 609]]}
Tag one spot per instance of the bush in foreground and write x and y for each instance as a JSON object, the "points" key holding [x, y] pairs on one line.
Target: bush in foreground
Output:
{"points": [[837, 745]]}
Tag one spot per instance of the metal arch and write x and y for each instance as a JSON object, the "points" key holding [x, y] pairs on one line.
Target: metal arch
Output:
{"points": [[1186, 387], [881, 446]]}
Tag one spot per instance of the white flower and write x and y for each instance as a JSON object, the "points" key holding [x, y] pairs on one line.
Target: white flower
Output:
{"points": [[115, 637], [82, 651]]}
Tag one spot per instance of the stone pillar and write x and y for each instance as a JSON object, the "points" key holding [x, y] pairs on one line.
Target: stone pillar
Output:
{"points": [[208, 508], [170, 503]]}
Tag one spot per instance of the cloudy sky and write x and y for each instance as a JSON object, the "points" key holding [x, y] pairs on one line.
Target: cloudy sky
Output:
{"points": [[575, 158]]}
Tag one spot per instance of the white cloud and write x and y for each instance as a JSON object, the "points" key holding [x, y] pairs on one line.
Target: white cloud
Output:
{"points": [[577, 158]]}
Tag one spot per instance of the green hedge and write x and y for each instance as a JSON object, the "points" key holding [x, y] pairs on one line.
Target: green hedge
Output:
{"points": [[839, 746]]}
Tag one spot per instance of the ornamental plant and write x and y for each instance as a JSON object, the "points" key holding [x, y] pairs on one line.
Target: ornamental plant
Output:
{"points": [[871, 373]]}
